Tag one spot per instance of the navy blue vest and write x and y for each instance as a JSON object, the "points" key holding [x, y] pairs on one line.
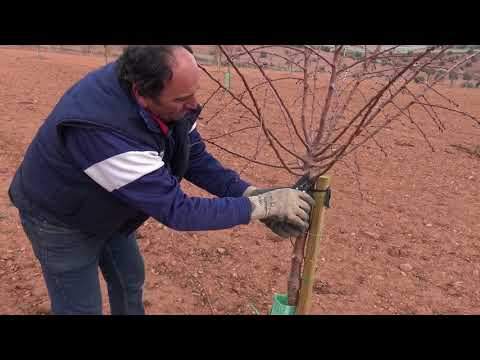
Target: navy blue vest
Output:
{"points": [[49, 185]]}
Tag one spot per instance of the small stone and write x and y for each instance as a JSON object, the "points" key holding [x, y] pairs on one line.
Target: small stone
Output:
{"points": [[221, 251], [457, 284], [372, 235], [428, 225], [471, 177], [403, 274], [406, 267], [173, 263], [321, 287], [43, 308], [39, 290], [200, 271]]}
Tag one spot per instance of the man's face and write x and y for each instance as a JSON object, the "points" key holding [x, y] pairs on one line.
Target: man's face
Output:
{"points": [[178, 95]]}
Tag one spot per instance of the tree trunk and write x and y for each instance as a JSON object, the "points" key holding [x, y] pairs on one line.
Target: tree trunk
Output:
{"points": [[296, 270]]}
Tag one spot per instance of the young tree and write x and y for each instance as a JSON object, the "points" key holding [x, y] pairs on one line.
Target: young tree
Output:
{"points": [[335, 112], [440, 74], [452, 76], [430, 72], [325, 48], [419, 79]]}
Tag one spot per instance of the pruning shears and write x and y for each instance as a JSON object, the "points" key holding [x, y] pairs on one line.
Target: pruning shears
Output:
{"points": [[307, 185]]}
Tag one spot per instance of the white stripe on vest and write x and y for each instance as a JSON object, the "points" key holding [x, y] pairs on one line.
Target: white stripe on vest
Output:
{"points": [[122, 169]]}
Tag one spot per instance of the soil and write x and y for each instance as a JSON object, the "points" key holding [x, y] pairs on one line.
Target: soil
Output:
{"points": [[401, 236]]}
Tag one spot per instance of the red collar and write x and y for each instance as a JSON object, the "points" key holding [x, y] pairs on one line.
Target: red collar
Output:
{"points": [[160, 123]]}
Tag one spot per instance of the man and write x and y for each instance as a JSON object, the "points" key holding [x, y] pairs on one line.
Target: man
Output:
{"points": [[112, 154]]}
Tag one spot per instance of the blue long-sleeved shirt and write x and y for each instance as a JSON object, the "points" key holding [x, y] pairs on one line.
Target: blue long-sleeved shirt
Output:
{"points": [[139, 176]]}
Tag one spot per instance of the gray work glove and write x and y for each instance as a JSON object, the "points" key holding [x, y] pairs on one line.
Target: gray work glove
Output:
{"points": [[284, 229], [280, 228], [287, 206]]}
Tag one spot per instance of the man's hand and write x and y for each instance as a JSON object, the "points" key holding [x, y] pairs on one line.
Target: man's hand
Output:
{"points": [[284, 229], [283, 205], [254, 191], [280, 228]]}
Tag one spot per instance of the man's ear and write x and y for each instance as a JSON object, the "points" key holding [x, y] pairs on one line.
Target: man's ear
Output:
{"points": [[140, 99]]}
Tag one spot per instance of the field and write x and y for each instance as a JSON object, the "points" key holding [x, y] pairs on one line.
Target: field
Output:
{"points": [[402, 237]]}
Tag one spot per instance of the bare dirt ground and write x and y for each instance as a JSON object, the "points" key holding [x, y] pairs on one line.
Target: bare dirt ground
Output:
{"points": [[402, 238]]}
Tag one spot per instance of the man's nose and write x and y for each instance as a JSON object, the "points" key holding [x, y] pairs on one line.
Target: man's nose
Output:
{"points": [[192, 104]]}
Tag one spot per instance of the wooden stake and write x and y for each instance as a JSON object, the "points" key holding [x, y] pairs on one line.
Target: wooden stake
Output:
{"points": [[313, 243], [105, 47]]}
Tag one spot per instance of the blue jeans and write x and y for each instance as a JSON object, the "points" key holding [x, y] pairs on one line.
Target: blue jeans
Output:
{"points": [[70, 260]]}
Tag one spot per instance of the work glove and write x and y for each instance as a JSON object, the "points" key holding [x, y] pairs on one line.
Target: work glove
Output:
{"points": [[284, 229], [289, 207], [280, 228]]}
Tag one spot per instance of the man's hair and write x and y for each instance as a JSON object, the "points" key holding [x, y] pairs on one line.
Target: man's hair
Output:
{"points": [[147, 67]]}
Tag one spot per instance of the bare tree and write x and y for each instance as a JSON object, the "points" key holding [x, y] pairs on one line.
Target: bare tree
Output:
{"points": [[342, 104]]}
